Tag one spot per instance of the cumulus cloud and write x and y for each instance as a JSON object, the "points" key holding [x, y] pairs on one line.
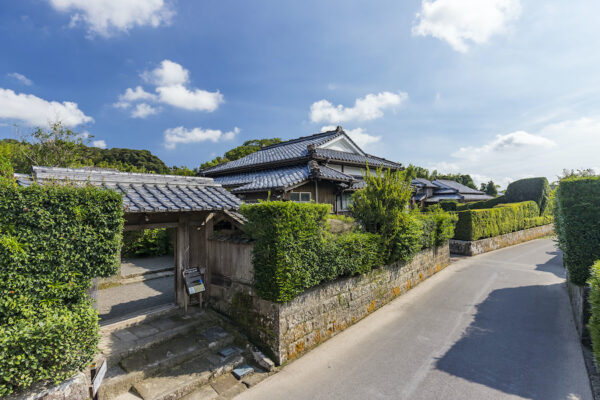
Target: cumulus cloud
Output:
{"points": [[571, 144], [143, 110], [107, 17], [358, 135], [169, 73], [20, 78], [367, 108], [504, 143], [101, 144], [35, 111], [462, 22], [170, 80], [174, 136]]}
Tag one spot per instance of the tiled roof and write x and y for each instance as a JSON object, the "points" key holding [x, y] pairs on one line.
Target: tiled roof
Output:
{"points": [[297, 149], [356, 158], [288, 150], [460, 188], [270, 179], [278, 178], [423, 182], [144, 192]]}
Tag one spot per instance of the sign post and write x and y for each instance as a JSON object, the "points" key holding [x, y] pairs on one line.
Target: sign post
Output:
{"points": [[192, 277], [97, 377]]}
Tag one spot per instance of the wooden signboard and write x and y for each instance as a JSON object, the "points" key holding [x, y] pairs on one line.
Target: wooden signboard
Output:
{"points": [[193, 281], [97, 377]]}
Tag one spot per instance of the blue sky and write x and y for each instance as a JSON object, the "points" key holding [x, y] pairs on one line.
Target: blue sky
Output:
{"points": [[500, 89]]}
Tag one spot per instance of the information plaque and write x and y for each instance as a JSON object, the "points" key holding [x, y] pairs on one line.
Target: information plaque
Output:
{"points": [[193, 281]]}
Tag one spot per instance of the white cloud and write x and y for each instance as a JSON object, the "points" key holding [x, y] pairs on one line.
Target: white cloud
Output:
{"points": [[180, 134], [21, 78], [101, 144], [143, 110], [170, 81], [367, 108], [504, 143], [460, 22], [358, 135], [571, 144], [106, 17], [194, 100], [136, 94], [169, 73], [36, 111]]}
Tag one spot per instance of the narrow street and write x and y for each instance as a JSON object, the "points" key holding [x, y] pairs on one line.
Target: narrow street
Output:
{"points": [[493, 326]]}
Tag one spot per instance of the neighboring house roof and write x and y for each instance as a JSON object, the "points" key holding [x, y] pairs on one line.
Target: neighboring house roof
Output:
{"points": [[279, 178], [297, 150], [446, 190], [458, 187], [143, 192]]}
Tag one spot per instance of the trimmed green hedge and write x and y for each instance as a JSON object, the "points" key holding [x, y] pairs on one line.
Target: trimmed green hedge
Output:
{"points": [[577, 223], [536, 189], [293, 250], [594, 300], [502, 219], [147, 243], [53, 241]]}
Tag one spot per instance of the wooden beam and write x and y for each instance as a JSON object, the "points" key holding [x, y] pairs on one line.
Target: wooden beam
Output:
{"points": [[183, 258], [140, 227]]}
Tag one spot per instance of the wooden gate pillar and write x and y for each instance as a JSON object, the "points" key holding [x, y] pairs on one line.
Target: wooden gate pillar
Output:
{"points": [[182, 258]]}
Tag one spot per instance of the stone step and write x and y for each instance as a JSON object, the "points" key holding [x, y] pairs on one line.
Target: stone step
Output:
{"points": [[187, 377], [120, 343], [147, 272], [162, 357], [145, 277]]}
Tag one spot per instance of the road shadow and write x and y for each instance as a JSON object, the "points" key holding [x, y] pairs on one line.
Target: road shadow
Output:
{"points": [[553, 265], [516, 344]]}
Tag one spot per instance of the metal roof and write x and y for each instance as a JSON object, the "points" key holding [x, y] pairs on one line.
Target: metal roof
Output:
{"points": [[297, 149], [143, 192]]}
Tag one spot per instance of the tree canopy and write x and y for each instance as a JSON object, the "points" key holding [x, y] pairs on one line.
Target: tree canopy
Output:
{"points": [[248, 147]]}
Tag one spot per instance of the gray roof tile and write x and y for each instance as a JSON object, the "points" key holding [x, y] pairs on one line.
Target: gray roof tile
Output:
{"points": [[144, 192]]}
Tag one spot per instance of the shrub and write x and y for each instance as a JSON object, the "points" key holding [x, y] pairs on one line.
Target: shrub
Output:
{"points": [[479, 205], [449, 205], [382, 207], [577, 225], [53, 241], [502, 219], [286, 253], [594, 300], [48, 345], [147, 243], [535, 189], [293, 251]]}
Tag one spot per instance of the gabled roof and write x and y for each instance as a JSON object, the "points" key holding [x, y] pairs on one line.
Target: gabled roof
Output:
{"points": [[297, 150], [143, 192], [280, 178]]}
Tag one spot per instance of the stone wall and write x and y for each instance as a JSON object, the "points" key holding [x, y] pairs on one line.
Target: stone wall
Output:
{"points": [[287, 330], [471, 248], [578, 295], [74, 388]]}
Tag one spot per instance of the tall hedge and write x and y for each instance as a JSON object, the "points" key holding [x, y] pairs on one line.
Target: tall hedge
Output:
{"points": [[535, 189], [502, 219], [293, 250], [577, 216], [53, 241]]}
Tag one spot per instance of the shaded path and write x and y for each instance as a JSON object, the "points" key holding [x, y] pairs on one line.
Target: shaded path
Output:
{"points": [[494, 326]]}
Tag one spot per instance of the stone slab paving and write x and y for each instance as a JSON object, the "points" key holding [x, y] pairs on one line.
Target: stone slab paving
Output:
{"points": [[139, 266]]}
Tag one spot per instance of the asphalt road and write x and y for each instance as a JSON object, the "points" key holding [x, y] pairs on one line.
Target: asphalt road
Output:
{"points": [[494, 326]]}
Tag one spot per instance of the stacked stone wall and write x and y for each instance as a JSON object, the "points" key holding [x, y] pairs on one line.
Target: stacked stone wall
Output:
{"points": [[287, 330], [472, 248]]}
